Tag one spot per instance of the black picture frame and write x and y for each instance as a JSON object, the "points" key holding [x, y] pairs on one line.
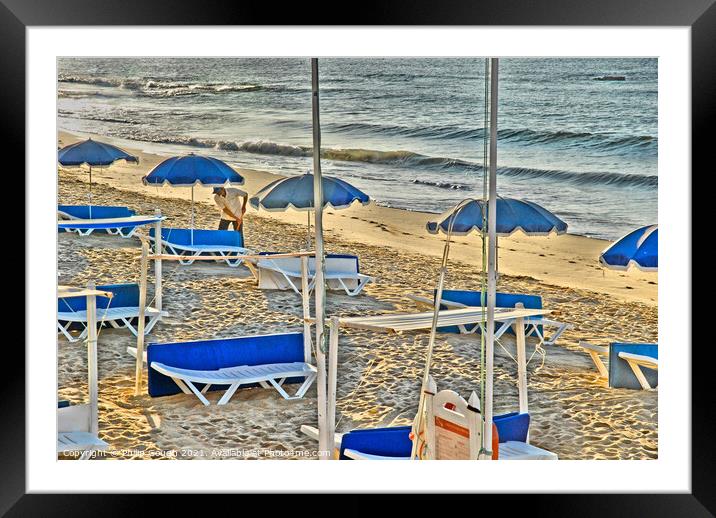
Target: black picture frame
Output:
{"points": [[700, 15]]}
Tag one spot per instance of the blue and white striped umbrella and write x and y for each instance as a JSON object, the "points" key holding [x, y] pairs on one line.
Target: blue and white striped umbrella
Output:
{"points": [[190, 170], [512, 215], [639, 248], [296, 192]]}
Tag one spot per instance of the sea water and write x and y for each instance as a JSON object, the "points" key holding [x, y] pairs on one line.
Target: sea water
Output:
{"points": [[578, 136]]}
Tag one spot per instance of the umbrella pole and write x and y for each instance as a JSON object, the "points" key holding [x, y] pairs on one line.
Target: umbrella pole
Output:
{"points": [[308, 246], [491, 256], [90, 192], [192, 214], [325, 429]]}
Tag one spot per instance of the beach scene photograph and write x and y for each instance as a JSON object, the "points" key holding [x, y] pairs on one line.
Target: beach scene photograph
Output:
{"points": [[373, 258]]}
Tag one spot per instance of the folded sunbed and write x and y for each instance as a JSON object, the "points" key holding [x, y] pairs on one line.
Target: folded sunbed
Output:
{"points": [[342, 273], [229, 363], [73, 431], [534, 326], [122, 310], [84, 220], [631, 365], [189, 244]]}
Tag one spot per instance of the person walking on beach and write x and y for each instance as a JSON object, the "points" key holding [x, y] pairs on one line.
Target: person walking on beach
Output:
{"points": [[232, 204]]}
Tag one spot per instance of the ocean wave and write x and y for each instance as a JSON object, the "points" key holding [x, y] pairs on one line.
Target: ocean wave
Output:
{"points": [[528, 137], [409, 159], [159, 88]]}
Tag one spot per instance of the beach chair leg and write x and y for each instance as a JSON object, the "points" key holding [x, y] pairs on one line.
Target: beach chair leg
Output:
{"points": [[181, 385], [280, 389], [603, 371], [229, 393], [561, 329], [152, 322], [639, 375], [128, 325], [65, 330], [198, 393], [206, 388], [305, 385]]}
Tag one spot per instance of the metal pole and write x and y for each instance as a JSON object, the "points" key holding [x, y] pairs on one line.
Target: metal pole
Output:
{"points": [[324, 439], [192, 214], [92, 378], [491, 254]]}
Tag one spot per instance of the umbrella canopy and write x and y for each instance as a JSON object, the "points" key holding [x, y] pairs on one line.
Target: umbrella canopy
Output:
{"points": [[92, 153], [190, 170], [512, 215], [639, 248], [296, 192]]}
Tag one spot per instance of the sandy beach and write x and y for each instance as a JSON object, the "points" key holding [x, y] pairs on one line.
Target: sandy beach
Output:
{"points": [[574, 413]]}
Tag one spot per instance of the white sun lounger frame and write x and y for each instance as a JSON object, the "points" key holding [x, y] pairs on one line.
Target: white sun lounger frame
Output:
{"points": [[189, 253], [116, 317], [531, 324], [286, 272], [268, 375], [84, 227]]}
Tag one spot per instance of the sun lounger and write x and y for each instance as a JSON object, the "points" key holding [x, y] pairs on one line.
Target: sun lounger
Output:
{"points": [[200, 366], [534, 326], [122, 310], [393, 443], [342, 273], [73, 431], [189, 243], [626, 363], [119, 221]]}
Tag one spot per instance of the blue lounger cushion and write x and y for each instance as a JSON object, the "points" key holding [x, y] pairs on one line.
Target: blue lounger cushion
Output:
{"points": [[390, 442], [395, 441], [512, 427], [183, 237], [98, 211], [621, 375], [502, 300], [221, 353], [124, 296]]}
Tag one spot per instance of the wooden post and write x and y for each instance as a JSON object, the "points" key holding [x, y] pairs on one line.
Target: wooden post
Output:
{"points": [[332, 381], [158, 262], [474, 425], [429, 424], [139, 365], [307, 356], [92, 378], [519, 327]]}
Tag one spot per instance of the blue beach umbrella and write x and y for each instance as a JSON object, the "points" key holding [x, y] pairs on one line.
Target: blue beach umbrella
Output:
{"points": [[296, 192], [190, 170], [92, 153], [639, 248], [512, 215]]}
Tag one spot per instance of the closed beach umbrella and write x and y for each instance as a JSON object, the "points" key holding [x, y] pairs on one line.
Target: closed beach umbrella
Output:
{"points": [[512, 215], [639, 248], [92, 153], [296, 192], [190, 170]]}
